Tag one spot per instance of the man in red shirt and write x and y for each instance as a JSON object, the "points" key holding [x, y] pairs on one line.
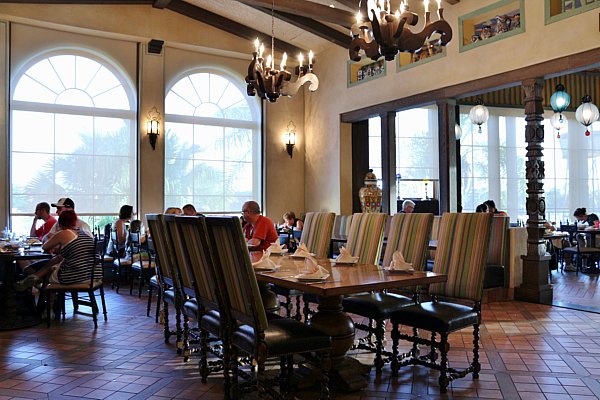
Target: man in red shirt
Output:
{"points": [[42, 211], [259, 231]]}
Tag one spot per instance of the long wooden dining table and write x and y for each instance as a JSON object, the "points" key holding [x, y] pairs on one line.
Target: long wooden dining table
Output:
{"points": [[344, 279]]}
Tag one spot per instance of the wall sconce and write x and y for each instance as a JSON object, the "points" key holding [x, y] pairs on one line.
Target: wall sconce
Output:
{"points": [[290, 138], [152, 126]]}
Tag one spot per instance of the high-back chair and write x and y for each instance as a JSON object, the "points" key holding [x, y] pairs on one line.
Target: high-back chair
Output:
{"points": [[142, 266], [316, 233], [365, 236], [121, 262], [209, 289], [256, 335], [461, 255], [170, 287], [88, 287], [188, 290], [496, 268], [409, 234]]}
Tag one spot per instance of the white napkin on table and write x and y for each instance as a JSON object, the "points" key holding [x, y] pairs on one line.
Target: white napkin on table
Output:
{"points": [[398, 263], [302, 251], [345, 256], [265, 262], [312, 270], [276, 248]]}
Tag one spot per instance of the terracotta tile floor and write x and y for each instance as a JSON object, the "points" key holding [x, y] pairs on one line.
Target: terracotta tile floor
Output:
{"points": [[529, 351]]}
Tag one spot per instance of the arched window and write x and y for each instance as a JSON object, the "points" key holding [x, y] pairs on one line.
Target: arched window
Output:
{"points": [[212, 144], [72, 135]]}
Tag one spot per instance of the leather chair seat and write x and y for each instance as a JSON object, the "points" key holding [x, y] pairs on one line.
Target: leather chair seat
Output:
{"points": [[493, 276], [211, 322], [438, 317], [190, 308], [154, 281], [283, 336], [169, 296], [375, 305]]}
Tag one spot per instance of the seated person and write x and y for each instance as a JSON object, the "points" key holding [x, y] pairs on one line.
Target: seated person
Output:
{"points": [[408, 206], [481, 208], [173, 210], [120, 226], [190, 210], [584, 219], [72, 262], [259, 231], [492, 208], [290, 221], [66, 204], [42, 212]]}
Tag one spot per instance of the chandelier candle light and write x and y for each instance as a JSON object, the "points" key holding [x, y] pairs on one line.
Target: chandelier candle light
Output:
{"points": [[270, 83], [384, 33]]}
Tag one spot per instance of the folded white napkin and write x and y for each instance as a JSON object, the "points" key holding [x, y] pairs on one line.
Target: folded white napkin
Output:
{"points": [[345, 256], [312, 270], [276, 248], [398, 262], [265, 262], [302, 251]]}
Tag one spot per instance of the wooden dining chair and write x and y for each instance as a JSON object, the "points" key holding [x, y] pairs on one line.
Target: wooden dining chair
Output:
{"points": [[365, 236], [196, 256], [461, 255], [169, 283], [121, 262], [142, 265], [61, 290], [409, 234], [252, 332]]}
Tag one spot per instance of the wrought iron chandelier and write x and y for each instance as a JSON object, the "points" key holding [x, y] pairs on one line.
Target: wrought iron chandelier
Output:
{"points": [[383, 33], [269, 83]]}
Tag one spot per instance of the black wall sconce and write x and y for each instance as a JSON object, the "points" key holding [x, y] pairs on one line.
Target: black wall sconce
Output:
{"points": [[152, 126], [290, 137]]}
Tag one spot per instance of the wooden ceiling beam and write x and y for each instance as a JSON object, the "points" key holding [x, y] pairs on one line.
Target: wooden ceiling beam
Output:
{"points": [[227, 25], [312, 26], [85, 2], [307, 9], [161, 3]]}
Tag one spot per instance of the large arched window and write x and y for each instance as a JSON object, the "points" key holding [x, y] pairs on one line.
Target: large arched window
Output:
{"points": [[72, 135], [212, 145]]}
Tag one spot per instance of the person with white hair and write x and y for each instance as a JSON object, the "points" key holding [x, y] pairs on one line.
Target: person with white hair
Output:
{"points": [[408, 206]]}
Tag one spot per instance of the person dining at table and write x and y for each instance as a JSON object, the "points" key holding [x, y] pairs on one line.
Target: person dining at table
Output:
{"points": [[291, 222], [120, 226], [491, 205], [42, 212], [408, 206], [584, 219], [259, 230]]}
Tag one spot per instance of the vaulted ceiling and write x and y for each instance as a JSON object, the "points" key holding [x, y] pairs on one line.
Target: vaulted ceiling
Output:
{"points": [[299, 25]]}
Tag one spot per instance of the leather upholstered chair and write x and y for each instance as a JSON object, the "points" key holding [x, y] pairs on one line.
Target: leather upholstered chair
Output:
{"points": [[252, 332], [496, 267], [141, 263], [365, 236], [169, 284], [121, 263], [316, 235], [461, 255], [409, 234]]}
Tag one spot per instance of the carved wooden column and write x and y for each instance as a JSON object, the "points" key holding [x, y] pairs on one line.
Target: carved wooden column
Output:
{"points": [[535, 287]]}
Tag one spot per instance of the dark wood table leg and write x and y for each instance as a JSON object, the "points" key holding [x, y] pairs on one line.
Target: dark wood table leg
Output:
{"points": [[346, 372]]}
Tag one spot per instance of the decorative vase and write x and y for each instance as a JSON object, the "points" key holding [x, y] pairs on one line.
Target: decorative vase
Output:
{"points": [[370, 194]]}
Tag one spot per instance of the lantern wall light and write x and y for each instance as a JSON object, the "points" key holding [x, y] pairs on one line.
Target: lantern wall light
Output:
{"points": [[290, 138], [153, 126]]}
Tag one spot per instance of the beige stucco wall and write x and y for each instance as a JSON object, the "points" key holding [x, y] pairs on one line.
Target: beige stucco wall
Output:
{"points": [[327, 158], [121, 33]]}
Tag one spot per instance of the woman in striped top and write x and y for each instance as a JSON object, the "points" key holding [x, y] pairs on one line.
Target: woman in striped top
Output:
{"points": [[74, 255]]}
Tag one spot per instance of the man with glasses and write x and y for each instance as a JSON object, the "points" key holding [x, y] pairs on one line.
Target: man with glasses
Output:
{"points": [[42, 212], [259, 231]]}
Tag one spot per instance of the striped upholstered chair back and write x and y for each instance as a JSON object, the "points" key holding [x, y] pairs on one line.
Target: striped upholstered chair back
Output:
{"points": [[196, 254], [435, 231], [499, 241], [316, 233], [409, 234], [182, 264], [366, 236], [231, 259], [342, 223], [164, 254], [461, 254]]}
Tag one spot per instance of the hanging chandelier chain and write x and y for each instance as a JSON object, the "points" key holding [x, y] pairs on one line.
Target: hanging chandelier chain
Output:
{"points": [[273, 33]]}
